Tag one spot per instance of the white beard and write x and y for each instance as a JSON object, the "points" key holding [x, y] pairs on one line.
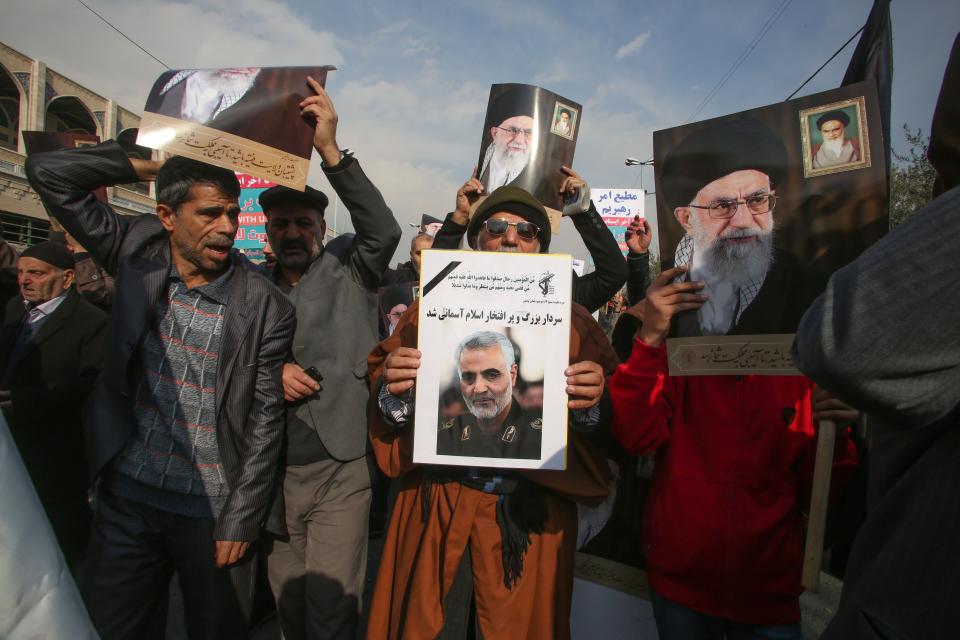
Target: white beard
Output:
{"points": [[205, 92], [726, 268], [834, 146], [736, 263], [506, 164], [500, 403]]}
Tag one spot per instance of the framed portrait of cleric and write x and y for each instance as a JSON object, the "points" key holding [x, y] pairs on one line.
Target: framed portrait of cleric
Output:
{"points": [[521, 144], [736, 207], [242, 118], [564, 120], [490, 391], [835, 137]]}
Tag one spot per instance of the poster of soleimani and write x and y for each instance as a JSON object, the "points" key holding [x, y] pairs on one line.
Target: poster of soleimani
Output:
{"points": [[241, 118], [762, 206], [495, 339], [528, 134]]}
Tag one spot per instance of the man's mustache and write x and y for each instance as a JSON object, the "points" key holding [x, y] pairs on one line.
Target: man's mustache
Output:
{"points": [[738, 234], [219, 241]]}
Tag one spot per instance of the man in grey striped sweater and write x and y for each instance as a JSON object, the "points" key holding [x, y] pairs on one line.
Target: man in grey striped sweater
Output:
{"points": [[185, 426]]}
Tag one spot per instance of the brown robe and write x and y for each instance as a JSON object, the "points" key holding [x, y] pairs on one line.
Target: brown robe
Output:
{"points": [[421, 552]]}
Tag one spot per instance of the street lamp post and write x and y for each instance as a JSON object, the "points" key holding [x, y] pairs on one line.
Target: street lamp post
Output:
{"points": [[634, 162]]}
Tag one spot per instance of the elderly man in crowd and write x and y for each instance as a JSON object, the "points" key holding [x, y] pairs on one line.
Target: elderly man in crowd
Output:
{"points": [[513, 531], [592, 290], [720, 182], [317, 570], [723, 523], [185, 425], [410, 271], [50, 348]]}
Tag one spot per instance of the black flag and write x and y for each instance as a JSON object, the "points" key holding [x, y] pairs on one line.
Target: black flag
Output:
{"points": [[873, 58], [944, 151]]}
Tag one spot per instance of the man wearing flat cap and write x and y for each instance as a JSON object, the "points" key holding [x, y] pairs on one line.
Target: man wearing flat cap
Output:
{"points": [[51, 344], [723, 522], [721, 183], [317, 569], [836, 148], [503, 540]]}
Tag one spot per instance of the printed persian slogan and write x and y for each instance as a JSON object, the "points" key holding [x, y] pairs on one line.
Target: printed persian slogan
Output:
{"points": [[495, 341], [241, 118], [528, 134], [762, 206]]}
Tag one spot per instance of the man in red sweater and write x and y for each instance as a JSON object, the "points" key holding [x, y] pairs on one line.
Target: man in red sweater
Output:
{"points": [[723, 522]]}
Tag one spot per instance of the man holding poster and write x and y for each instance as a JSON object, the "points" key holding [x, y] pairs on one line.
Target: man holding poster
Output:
{"points": [[513, 530]]}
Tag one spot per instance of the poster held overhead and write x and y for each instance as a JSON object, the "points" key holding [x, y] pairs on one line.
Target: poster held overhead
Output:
{"points": [[497, 323], [528, 134], [762, 206], [244, 118]]}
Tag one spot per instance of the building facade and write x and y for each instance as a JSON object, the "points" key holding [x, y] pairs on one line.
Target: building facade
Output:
{"points": [[34, 97]]}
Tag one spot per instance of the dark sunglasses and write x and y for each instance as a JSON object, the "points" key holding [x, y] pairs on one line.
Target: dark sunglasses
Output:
{"points": [[498, 227]]}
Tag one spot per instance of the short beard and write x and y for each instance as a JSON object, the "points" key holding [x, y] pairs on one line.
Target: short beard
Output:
{"points": [[197, 258], [736, 263], [297, 263], [500, 403]]}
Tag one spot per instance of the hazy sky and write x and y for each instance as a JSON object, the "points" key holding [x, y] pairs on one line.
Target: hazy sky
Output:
{"points": [[412, 81]]}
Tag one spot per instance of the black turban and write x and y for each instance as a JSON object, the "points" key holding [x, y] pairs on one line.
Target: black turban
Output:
{"points": [[716, 150], [839, 116], [516, 100], [52, 253]]}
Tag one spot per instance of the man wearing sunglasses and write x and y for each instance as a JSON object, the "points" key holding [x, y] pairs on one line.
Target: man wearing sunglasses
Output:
{"points": [[503, 540], [721, 182]]}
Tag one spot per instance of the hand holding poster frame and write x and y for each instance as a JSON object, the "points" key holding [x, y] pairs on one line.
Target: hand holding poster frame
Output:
{"points": [[529, 133], [762, 206], [245, 118], [489, 322]]}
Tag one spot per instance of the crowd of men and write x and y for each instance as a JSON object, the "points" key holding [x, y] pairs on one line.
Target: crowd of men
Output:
{"points": [[232, 410]]}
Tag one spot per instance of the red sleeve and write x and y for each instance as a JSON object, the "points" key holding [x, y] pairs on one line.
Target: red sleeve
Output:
{"points": [[644, 397]]}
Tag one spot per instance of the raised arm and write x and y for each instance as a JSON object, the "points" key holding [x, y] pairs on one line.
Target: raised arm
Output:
{"points": [[66, 180], [594, 289], [885, 335], [377, 231]]}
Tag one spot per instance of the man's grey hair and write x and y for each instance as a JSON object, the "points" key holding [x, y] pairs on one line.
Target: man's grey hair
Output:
{"points": [[487, 340], [413, 241]]}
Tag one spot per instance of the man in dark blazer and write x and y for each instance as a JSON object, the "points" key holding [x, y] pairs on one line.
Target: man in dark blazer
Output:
{"points": [[50, 349], [185, 425], [317, 570]]}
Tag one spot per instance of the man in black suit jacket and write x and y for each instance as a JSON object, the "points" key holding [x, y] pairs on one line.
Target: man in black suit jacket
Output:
{"points": [[50, 349], [185, 425]]}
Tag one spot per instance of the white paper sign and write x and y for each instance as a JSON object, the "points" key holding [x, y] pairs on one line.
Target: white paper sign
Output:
{"points": [[618, 207], [495, 341]]}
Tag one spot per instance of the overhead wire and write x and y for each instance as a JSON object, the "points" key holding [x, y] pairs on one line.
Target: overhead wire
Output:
{"points": [[128, 38], [830, 59], [779, 11]]}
